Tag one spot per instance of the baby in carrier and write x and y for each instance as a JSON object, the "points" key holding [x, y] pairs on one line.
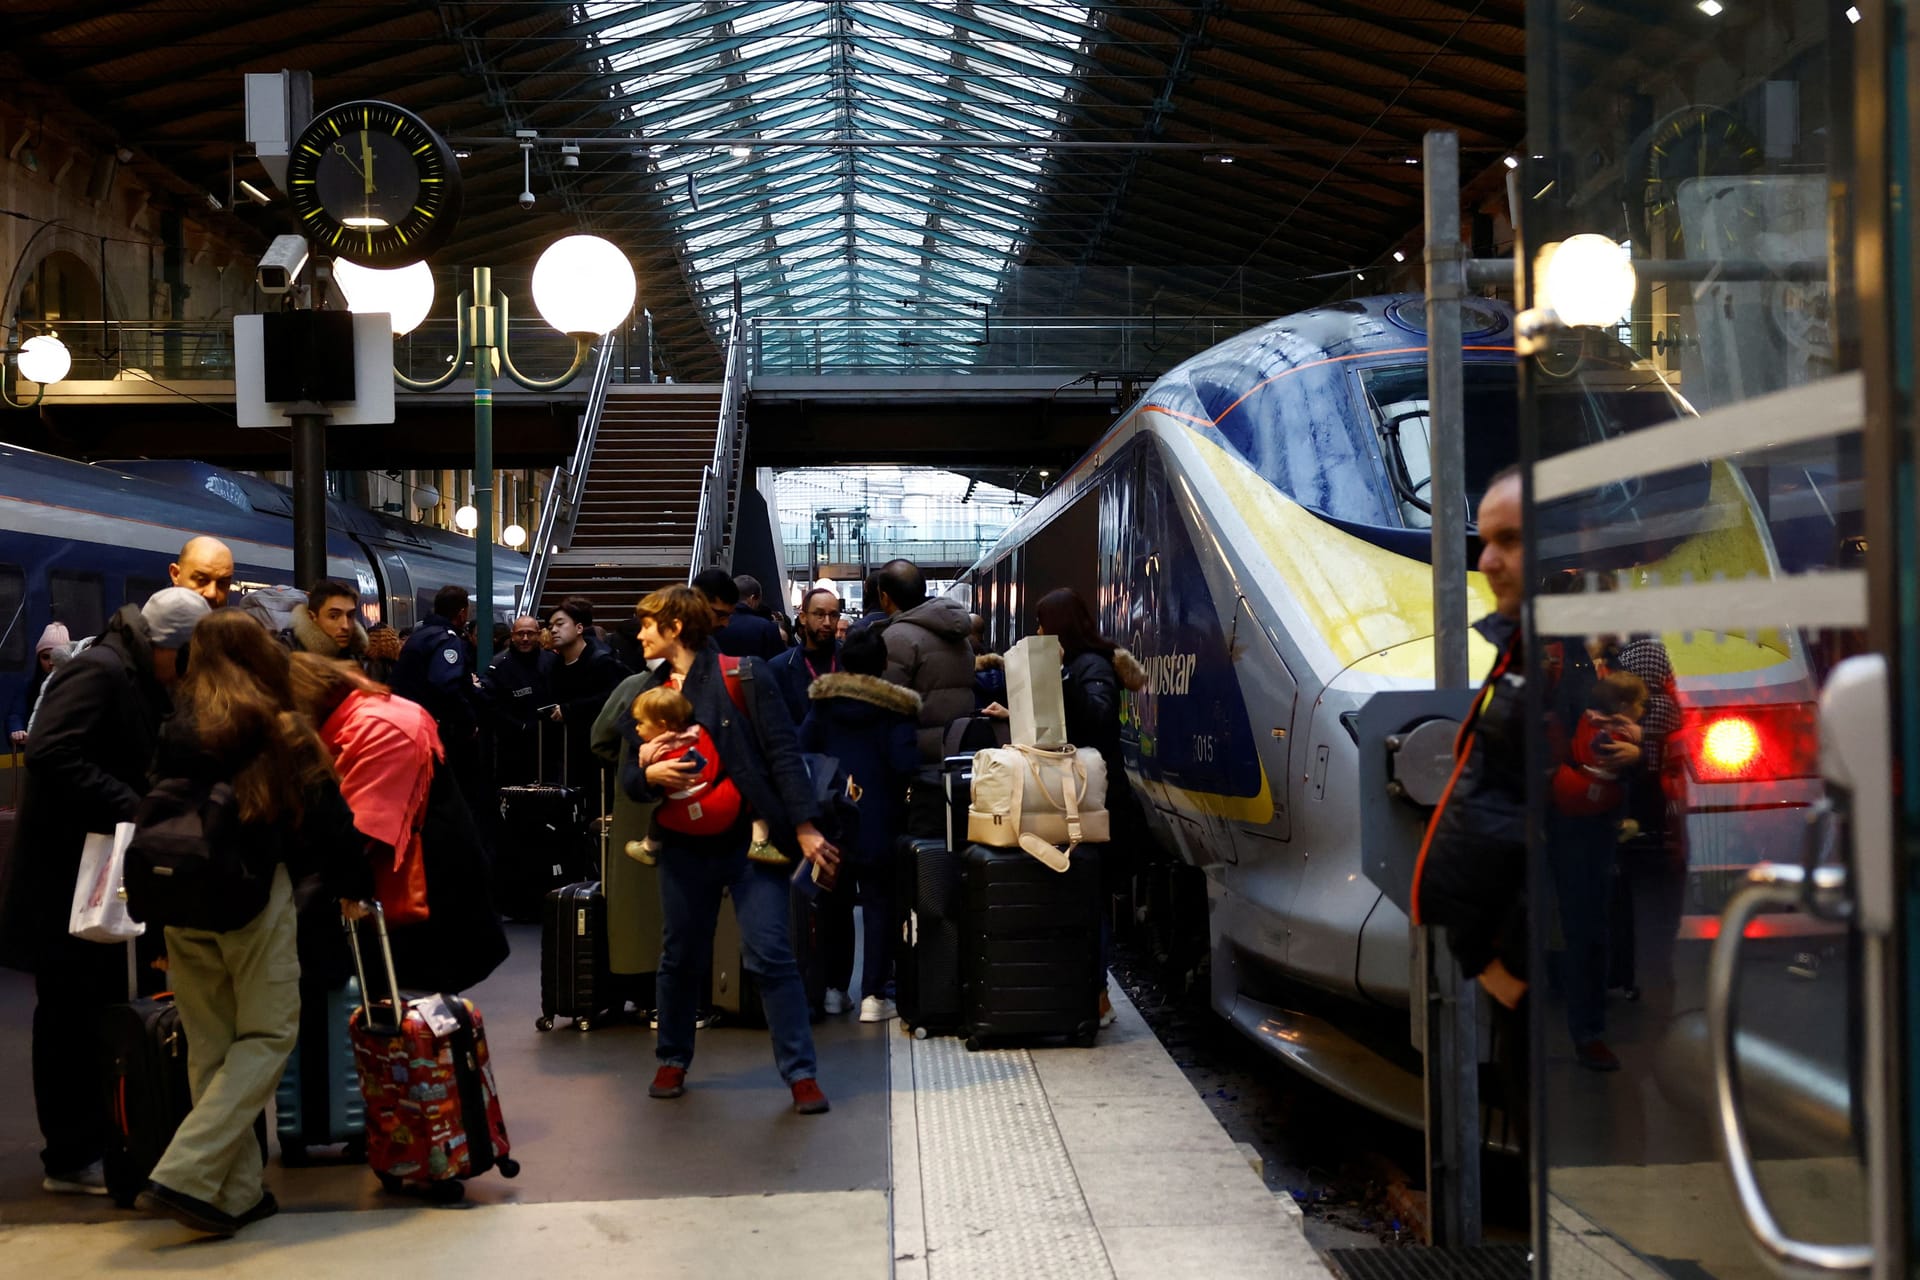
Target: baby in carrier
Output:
{"points": [[710, 804], [1582, 786]]}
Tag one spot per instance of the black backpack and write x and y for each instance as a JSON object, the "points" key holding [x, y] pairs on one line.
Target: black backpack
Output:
{"points": [[187, 866]]}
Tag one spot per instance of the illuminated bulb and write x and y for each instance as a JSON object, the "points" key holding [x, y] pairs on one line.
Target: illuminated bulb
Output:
{"points": [[583, 285], [1399, 256], [1730, 745], [404, 294], [1587, 280], [1712, 8], [1512, 162], [466, 519], [514, 536], [44, 359], [740, 151], [1853, 14]]}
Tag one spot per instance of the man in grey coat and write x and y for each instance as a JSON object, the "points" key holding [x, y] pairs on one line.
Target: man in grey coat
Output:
{"points": [[927, 651]]}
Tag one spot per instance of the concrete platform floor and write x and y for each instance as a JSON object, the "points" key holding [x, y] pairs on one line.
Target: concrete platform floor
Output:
{"points": [[934, 1163]]}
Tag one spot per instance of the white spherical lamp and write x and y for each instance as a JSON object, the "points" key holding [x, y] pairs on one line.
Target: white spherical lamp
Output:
{"points": [[44, 359], [583, 285], [405, 294], [514, 536], [1588, 280], [466, 519]]}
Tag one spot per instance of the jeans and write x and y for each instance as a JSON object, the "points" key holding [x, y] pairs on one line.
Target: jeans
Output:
{"points": [[872, 883], [1581, 853], [238, 994], [693, 873]]}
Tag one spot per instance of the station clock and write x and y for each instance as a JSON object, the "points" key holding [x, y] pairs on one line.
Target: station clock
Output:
{"points": [[1694, 142], [374, 184]]}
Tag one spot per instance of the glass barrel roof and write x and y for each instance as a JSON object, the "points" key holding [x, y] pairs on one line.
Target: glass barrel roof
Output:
{"points": [[877, 229]]}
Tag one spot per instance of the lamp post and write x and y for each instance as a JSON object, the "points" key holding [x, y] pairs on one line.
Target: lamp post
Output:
{"points": [[582, 285]]}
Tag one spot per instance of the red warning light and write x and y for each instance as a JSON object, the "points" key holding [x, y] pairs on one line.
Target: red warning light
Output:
{"points": [[1730, 745], [1753, 744]]}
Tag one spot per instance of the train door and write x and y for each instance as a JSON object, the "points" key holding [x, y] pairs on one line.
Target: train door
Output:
{"points": [[1722, 645], [400, 610]]}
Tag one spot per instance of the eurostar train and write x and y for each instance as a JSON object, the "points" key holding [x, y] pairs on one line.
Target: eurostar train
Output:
{"points": [[1256, 529], [78, 540]]}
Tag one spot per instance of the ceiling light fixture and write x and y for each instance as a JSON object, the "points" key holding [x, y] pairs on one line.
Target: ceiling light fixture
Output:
{"points": [[254, 193], [570, 155], [1218, 157], [1853, 14], [1399, 256], [1411, 160], [739, 151], [1512, 162], [1712, 8]]}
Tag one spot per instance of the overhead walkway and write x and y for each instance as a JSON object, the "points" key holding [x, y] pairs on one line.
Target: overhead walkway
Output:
{"points": [[934, 1164]]}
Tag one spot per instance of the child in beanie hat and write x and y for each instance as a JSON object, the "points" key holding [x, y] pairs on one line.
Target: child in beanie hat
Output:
{"points": [[54, 637]]}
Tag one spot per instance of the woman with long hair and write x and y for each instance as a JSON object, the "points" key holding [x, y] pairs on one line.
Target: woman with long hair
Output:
{"points": [[417, 834], [1094, 671], [237, 989], [744, 711]]}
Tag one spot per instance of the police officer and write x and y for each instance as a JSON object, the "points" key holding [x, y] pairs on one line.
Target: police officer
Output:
{"points": [[435, 669], [521, 682]]}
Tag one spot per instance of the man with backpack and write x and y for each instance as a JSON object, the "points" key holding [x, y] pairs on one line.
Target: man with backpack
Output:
{"points": [[87, 760]]}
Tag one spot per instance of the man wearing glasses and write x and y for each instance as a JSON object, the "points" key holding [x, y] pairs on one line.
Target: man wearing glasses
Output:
{"points": [[817, 653]]}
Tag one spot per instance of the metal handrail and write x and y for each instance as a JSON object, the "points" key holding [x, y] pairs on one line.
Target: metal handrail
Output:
{"points": [[1768, 885], [714, 530], [562, 501]]}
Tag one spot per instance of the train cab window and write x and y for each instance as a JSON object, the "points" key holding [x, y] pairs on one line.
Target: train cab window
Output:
{"points": [[138, 590], [1397, 399], [14, 622], [80, 601]]}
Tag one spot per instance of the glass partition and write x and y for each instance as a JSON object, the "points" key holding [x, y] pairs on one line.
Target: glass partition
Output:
{"points": [[1697, 540]]}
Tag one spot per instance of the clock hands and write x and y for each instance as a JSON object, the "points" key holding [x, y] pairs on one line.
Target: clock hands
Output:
{"points": [[366, 158]]}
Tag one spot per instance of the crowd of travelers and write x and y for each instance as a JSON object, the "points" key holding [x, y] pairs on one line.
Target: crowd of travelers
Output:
{"points": [[365, 766]]}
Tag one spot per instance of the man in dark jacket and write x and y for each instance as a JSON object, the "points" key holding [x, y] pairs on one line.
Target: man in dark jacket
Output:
{"points": [[328, 625], [585, 673], [927, 651], [86, 763], [742, 634], [435, 669], [817, 654], [521, 681]]}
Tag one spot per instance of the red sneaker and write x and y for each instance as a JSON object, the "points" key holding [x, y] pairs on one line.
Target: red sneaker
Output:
{"points": [[668, 1082], [807, 1098]]}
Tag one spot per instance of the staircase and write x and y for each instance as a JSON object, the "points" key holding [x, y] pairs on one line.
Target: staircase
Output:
{"points": [[635, 523]]}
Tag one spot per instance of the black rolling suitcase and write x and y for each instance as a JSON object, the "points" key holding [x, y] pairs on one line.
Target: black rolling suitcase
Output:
{"points": [[149, 1092], [575, 979], [927, 898], [544, 842], [1031, 946]]}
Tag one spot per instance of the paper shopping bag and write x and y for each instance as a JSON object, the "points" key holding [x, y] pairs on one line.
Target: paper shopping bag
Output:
{"points": [[1034, 695], [99, 911]]}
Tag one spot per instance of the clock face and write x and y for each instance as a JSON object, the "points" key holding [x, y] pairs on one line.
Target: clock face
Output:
{"points": [[1696, 142], [372, 183]]}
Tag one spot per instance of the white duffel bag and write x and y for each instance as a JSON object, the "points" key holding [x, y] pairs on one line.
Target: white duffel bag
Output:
{"points": [[1046, 800]]}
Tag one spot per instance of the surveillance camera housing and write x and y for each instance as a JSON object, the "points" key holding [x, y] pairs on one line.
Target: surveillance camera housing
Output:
{"points": [[281, 265], [570, 155], [526, 199]]}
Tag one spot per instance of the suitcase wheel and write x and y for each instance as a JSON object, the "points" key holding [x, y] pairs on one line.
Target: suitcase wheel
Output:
{"points": [[583, 1024], [919, 1033], [390, 1184], [355, 1149], [543, 1023], [975, 1044], [452, 1191], [508, 1167], [1086, 1035]]}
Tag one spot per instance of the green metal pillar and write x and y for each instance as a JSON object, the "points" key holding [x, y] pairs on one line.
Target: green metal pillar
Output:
{"points": [[485, 342]]}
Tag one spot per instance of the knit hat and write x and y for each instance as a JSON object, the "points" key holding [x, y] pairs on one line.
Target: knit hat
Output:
{"points": [[171, 614], [52, 638]]}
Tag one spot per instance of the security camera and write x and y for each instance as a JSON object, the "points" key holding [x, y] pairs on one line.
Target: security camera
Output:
{"points": [[570, 155], [281, 265], [526, 199]]}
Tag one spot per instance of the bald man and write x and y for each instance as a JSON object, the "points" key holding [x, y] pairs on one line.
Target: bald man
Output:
{"points": [[205, 567]]}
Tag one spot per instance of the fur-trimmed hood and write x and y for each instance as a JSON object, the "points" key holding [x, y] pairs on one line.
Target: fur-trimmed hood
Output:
{"points": [[989, 662], [1127, 669], [868, 689], [308, 636]]}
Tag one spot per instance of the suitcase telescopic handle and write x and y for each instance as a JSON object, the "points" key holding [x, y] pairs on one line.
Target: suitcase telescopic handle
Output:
{"points": [[360, 965]]}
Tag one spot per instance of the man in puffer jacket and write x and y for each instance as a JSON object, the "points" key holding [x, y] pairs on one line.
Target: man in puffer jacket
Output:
{"points": [[927, 651]]}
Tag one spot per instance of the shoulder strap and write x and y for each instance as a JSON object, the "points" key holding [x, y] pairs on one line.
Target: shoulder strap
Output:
{"points": [[732, 672]]}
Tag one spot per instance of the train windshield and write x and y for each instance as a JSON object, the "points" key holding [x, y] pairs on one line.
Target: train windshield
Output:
{"points": [[1616, 402]]}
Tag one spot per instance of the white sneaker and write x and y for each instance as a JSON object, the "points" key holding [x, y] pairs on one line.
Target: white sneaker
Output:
{"points": [[877, 1009], [836, 1001], [90, 1181]]}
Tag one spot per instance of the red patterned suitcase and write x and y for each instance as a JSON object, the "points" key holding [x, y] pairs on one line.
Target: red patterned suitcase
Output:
{"points": [[433, 1113]]}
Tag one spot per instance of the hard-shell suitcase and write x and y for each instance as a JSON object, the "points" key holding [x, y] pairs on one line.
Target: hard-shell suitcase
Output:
{"points": [[574, 982], [433, 1113], [149, 1090], [927, 899], [318, 1102], [937, 801], [1031, 946], [544, 843]]}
